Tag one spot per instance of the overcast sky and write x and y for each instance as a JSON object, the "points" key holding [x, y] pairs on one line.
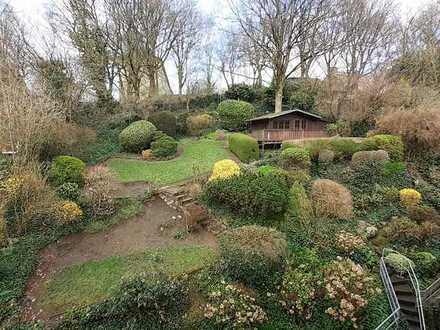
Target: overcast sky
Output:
{"points": [[33, 13]]}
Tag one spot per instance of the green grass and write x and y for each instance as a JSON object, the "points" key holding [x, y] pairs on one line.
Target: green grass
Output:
{"points": [[93, 281], [202, 153], [127, 208]]}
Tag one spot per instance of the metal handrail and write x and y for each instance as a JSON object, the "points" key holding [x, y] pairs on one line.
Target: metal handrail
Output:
{"points": [[390, 290], [432, 291]]}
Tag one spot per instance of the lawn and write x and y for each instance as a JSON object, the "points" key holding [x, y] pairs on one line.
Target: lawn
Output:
{"points": [[202, 153], [93, 281]]}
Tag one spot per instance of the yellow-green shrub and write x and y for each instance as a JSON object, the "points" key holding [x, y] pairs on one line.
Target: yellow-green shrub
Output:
{"points": [[68, 212], [295, 158], [392, 144], [198, 124], [331, 199], [410, 197], [224, 169], [245, 147], [27, 200], [299, 208]]}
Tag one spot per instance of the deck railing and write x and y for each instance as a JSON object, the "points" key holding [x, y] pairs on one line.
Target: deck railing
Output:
{"points": [[279, 135]]}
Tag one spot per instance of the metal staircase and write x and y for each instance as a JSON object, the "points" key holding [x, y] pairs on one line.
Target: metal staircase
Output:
{"points": [[404, 295]]}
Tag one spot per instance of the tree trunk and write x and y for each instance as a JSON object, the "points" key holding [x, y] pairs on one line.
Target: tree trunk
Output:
{"points": [[279, 96], [152, 90]]}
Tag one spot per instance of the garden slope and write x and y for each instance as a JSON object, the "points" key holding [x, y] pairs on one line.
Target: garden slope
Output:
{"points": [[200, 153]]}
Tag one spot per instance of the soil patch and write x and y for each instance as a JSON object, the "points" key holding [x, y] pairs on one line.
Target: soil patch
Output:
{"points": [[159, 226]]}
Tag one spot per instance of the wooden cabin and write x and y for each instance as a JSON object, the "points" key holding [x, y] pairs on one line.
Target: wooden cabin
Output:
{"points": [[287, 125]]}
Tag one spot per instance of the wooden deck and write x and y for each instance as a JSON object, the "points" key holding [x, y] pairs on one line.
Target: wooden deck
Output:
{"points": [[268, 136]]}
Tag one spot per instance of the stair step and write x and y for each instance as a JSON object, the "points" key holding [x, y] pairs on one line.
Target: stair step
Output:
{"points": [[399, 281], [180, 196], [186, 200], [409, 310], [412, 318], [408, 300], [403, 292]]}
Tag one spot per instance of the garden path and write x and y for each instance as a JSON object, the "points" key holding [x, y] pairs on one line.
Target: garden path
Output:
{"points": [[156, 227]]}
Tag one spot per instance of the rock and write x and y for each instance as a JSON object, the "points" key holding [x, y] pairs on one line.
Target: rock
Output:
{"points": [[371, 231]]}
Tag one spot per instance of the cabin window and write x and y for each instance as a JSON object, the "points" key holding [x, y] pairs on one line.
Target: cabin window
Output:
{"points": [[287, 124], [303, 124], [275, 124], [297, 124]]}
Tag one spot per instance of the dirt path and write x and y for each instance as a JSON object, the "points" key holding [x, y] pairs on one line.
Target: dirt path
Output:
{"points": [[157, 227]]}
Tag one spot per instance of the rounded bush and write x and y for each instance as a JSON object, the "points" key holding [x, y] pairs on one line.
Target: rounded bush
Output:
{"points": [[165, 146], [250, 194], [233, 114], [295, 158], [67, 169], [68, 212], [137, 136], [330, 199], [398, 262], [69, 191], [326, 156], [410, 197], [253, 254], [391, 143], [164, 121], [300, 208], [241, 92], [224, 169], [199, 124], [361, 157], [245, 147]]}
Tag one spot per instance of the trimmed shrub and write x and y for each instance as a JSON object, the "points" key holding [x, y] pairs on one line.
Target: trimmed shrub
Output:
{"points": [[137, 136], [149, 300], [250, 194], [409, 197], [253, 254], [364, 156], [340, 127], [241, 92], [69, 191], [291, 177], [245, 147], [345, 148], [295, 158], [224, 169], [199, 124], [68, 212], [233, 114], [390, 143], [326, 156], [299, 208], [181, 123], [67, 169], [164, 121], [398, 262], [426, 263], [122, 120], [164, 147], [330, 199]]}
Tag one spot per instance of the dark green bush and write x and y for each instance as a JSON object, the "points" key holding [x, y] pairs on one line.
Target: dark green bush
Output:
{"points": [[164, 121], [233, 114], [241, 92], [391, 143], [253, 255], [291, 177], [122, 120], [163, 147], [69, 191], [244, 147], [302, 94], [148, 300], [250, 194], [340, 127], [181, 123], [67, 169], [345, 148], [295, 158], [137, 136]]}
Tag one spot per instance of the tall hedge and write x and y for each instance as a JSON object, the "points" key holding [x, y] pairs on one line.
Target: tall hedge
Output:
{"points": [[233, 114], [137, 136], [244, 147], [164, 121]]}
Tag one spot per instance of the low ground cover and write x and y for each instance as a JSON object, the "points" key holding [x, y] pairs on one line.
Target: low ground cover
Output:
{"points": [[201, 154], [93, 281]]}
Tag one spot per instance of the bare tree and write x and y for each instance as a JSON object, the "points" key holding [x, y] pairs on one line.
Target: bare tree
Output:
{"points": [[230, 56], [286, 23], [186, 42]]}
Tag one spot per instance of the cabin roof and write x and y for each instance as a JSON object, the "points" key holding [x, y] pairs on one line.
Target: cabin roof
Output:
{"points": [[286, 112]]}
